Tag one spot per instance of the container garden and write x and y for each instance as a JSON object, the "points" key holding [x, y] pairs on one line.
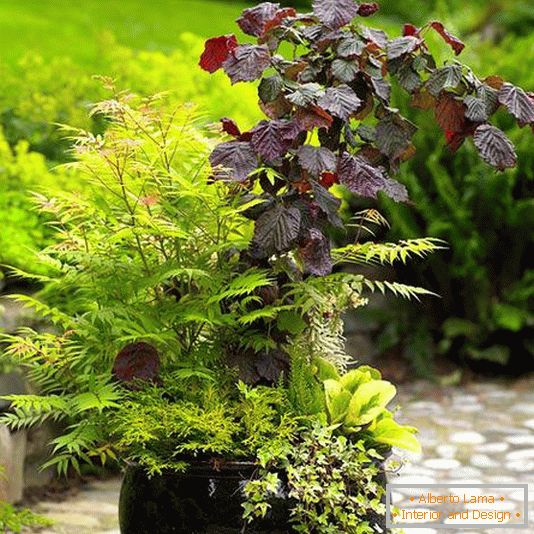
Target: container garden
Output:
{"points": [[198, 308]]}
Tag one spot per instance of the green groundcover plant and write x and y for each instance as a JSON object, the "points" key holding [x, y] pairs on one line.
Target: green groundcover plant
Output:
{"points": [[197, 307]]}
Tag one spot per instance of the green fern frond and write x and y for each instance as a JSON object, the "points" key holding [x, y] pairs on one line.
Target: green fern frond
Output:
{"points": [[387, 253], [399, 290]]}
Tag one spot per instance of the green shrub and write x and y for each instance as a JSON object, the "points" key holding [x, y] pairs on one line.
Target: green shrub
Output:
{"points": [[486, 279], [24, 230]]}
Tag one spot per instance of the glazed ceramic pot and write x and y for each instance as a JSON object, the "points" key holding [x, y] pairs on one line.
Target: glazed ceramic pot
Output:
{"points": [[204, 500]]}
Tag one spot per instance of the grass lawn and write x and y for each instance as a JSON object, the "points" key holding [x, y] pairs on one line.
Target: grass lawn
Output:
{"points": [[72, 27]]}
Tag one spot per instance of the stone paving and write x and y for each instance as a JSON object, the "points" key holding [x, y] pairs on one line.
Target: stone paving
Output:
{"points": [[481, 433]]}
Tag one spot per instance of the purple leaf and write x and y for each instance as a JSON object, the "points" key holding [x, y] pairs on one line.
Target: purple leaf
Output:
{"points": [[270, 88], [362, 178], [246, 63], [316, 159], [393, 135], [315, 253], [382, 89], [350, 47], [378, 37], [518, 103], [345, 70], [136, 361], [448, 77], [254, 19], [237, 159], [476, 109], [335, 13], [276, 230], [305, 94], [494, 147], [340, 101], [401, 46], [328, 203], [271, 139]]}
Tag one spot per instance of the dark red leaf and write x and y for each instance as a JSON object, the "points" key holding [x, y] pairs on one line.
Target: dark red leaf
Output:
{"points": [[137, 361], [450, 39], [450, 113], [328, 179], [366, 10], [277, 108], [230, 127], [362, 178], [340, 101], [216, 52], [313, 117], [335, 13], [316, 159], [246, 63], [410, 30], [518, 103], [494, 147], [315, 253], [234, 160], [271, 139], [276, 230]]}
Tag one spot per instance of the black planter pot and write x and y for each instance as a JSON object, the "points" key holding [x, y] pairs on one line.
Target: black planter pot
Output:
{"points": [[201, 501]]}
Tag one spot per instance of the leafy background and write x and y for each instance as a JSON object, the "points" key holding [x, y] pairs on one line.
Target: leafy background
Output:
{"points": [[50, 51]]}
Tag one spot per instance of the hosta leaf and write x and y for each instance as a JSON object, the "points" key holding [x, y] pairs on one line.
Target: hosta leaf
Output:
{"points": [[450, 113], [448, 77], [216, 52], [401, 46], [340, 101], [350, 47], [270, 88], [335, 13], [271, 139], [450, 39], [305, 94], [328, 203], [254, 19], [345, 70], [246, 63], [476, 109], [136, 361], [313, 117], [518, 103], [237, 159], [315, 253], [494, 147], [276, 230], [362, 178], [316, 159], [393, 135]]}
